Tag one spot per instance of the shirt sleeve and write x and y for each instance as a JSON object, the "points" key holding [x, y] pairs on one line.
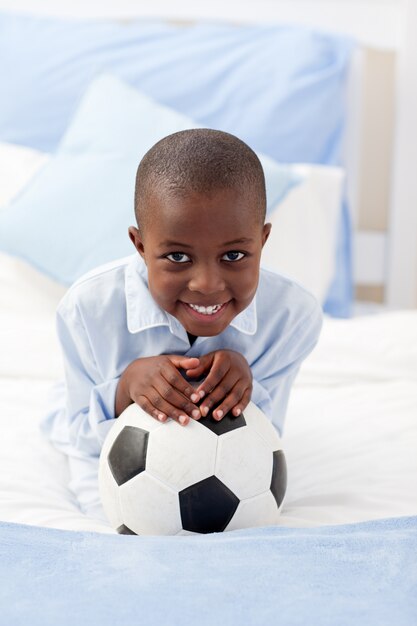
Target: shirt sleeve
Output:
{"points": [[276, 370], [83, 408]]}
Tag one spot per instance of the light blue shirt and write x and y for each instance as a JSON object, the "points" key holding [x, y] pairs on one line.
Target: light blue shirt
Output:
{"points": [[108, 318]]}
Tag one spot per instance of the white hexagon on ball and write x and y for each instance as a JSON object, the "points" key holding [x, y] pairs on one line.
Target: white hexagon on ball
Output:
{"points": [[149, 507], [181, 455], [256, 419], [261, 509], [109, 494], [244, 462]]}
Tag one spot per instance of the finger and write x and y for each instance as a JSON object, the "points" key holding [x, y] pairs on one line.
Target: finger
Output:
{"points": [[153, 406], [174, 399], [235, 401], [172, 411], [196, 371], [217, 373], [205, 362], [146, 405], [241, 406], [173, 378], [220, 392], [184, 362]]}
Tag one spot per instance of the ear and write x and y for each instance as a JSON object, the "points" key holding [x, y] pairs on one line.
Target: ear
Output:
{"points": [[265, 233], [137, 240]]}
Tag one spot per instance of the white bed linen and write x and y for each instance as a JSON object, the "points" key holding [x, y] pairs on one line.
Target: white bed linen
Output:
{"points": [[351, 430]]}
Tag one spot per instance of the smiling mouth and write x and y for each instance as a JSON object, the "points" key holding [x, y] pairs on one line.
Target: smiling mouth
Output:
{"points": [[211, 312], [206, 310]]}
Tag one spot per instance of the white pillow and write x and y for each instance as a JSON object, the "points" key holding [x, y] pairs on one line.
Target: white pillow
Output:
{"points": [[28, 299], [28, 342], [303, 239], [302, 245], [17, 166]]}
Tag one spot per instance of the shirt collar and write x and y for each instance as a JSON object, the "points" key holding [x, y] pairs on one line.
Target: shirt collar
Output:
{"points": [[143, 312], [246, 322]]}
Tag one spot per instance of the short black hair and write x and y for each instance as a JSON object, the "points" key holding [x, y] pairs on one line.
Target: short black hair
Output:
{"points": [[198, 160]]}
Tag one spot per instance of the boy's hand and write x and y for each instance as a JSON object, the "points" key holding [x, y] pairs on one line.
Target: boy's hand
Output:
{"points": [[228, 381], [156, 385]]}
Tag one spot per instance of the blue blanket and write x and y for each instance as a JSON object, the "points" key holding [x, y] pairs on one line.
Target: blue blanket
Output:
{"points": [[355, 574]]}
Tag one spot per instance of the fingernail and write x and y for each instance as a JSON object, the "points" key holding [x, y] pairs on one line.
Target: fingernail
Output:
{"points": [[237, 412], [201, 393], [195, 397], [182, 419], [196, 414], [162, 417], [219, 414], [205, 410]]}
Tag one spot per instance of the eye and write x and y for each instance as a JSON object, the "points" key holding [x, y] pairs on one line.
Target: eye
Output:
{"points": [[233, 255], [178, 257]]}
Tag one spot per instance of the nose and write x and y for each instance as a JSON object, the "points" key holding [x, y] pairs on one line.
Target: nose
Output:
{"points": [[207, 279]]}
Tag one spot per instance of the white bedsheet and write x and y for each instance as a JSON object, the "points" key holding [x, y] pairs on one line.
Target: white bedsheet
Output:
{"points": [[351, 429]]}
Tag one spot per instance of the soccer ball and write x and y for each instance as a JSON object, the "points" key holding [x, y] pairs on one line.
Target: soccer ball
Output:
{"points": [[160, 478]]}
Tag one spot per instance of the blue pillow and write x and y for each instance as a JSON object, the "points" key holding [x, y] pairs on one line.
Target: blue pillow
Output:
{"points": [[75, 213], [279, 88]]}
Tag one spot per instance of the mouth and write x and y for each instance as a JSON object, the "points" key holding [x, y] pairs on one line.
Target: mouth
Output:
{"points": [[205, 313]]}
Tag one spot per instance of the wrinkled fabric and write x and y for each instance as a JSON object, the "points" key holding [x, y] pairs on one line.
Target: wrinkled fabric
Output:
{"points": [[362, 573]]}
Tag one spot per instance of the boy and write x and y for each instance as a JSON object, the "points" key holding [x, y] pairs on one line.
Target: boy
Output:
{"points": [[191, 303]]}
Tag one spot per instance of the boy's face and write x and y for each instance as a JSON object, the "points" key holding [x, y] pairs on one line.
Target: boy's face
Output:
{"points": [[203, 254]]}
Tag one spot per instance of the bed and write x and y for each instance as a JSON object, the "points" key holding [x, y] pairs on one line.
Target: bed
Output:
{"points": [[344, 549]]}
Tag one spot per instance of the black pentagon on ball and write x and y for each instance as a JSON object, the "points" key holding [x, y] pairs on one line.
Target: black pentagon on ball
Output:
{"points": [[125, 530], [226, 424], [279, 476], [127, 456], [207, 506]]}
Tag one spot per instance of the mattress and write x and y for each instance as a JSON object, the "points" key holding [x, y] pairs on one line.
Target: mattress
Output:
{"points": [[350, 437]]}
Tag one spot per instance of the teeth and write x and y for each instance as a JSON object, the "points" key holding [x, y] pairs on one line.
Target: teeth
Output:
{"points": [[205, 310]]}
